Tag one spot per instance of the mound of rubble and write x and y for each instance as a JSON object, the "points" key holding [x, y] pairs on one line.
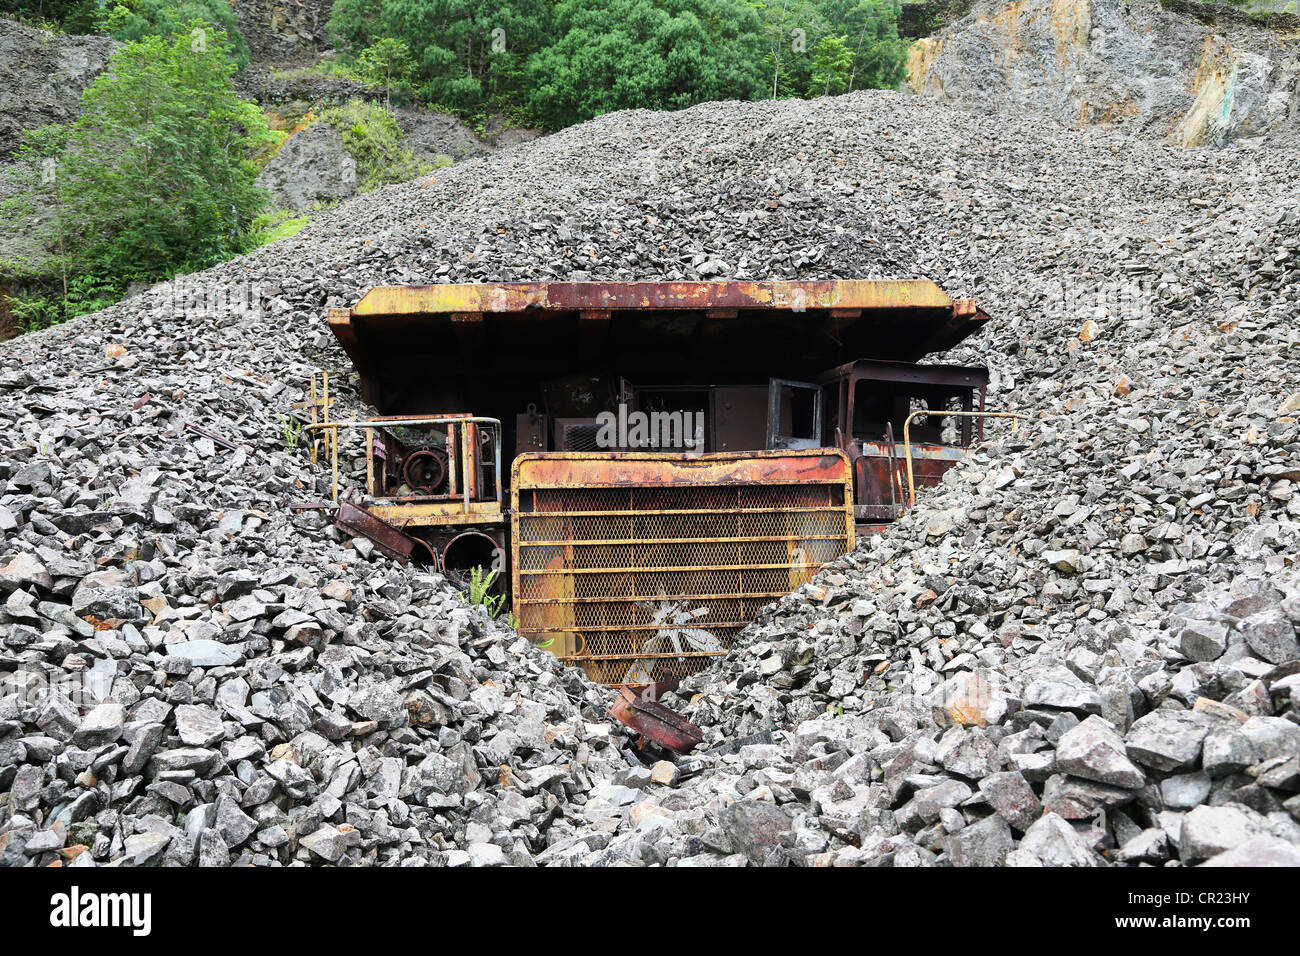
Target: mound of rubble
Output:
{"points": [[1079, 649]]}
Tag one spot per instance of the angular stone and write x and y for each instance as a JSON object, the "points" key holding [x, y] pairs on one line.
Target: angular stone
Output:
{"points": [[1076, 799], [1271, 737], [754, 828], [1272, 636], [206, 653], [486, 854], [107, 603], [102, 725], [1226, 752], [1053, 842], [1060, 688], [972, 755], [985, 843], [213, 850], [1012, 798], [199, 726], [144, 739], [325, 842], [1209, 831], [665, 773], [968, 699], [1258, 851], [143, 849], [1149, 846], [1185, 791], [1203, 640], [23, 571], [1094, 751], [198, 759], [1168, 739], [232, 823]]}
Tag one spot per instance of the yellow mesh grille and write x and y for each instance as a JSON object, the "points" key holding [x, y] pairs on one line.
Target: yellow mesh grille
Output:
{"points": [[642, 584]]}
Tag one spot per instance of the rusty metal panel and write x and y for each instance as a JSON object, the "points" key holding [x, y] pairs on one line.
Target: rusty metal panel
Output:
{"points": [[655, 722], [739, 417], [641, 567], [540, 331], [356, 520], [845, 296]]}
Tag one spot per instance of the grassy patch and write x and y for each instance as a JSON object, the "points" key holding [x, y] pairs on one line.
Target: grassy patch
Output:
{"points": [[376, 142], [276, 224]]}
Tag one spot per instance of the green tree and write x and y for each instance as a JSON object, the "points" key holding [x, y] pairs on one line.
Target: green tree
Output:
{"points": [[70, 16], [620, 54], [352, 25], [155, 176], [129, 20], [832, 66], [386, 61], [871, 29], [467, 53]]}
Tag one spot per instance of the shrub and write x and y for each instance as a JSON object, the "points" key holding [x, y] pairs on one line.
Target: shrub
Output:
{"points": [[376, 142]]}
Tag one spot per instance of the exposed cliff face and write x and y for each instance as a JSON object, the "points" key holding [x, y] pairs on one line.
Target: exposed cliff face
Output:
{"points": [[42, 77], [313, 168], [283, 31], [1098, 61]]}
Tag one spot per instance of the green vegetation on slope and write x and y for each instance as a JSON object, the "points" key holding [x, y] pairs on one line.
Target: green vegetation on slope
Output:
{"points": [[154, 178], [376, 142], [561, 62], [129, 20]]}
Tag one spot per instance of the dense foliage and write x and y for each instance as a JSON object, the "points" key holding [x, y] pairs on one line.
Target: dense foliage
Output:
{"points": [[136, 19], [154, 178], [132, 19], [569, 60]]}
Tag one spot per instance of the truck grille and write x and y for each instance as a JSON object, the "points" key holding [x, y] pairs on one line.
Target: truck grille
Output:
{"points": [[645, 582]]}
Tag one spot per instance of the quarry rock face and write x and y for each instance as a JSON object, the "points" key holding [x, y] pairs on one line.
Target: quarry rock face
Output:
{"points": [[1078, 649], [44, 76], [1086, 62], [283, 32], [312, 168]]}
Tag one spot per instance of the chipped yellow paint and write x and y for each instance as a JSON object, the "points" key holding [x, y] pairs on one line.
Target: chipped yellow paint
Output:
{"points": [[471, 300]]}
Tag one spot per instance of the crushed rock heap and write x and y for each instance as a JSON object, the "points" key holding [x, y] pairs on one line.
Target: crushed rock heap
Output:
{"points": [[1079, 649]]}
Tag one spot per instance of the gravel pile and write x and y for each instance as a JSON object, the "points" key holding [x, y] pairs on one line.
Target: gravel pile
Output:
{"points": [[192, 674], [1079, 649]]}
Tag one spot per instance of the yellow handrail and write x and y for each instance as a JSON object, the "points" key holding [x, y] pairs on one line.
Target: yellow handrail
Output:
{"points": [[332, 428], [940, 413]]}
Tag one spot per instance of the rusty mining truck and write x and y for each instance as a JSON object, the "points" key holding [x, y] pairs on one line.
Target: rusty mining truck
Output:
{"points": [[649, 463]]}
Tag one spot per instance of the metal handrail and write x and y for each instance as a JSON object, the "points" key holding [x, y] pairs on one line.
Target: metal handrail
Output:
{"points": [[332, 429], [940, 413], [893, 469]]}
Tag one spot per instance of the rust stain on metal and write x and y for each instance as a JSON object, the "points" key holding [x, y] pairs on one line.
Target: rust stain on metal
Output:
{"points": [[642, 567], [569, 296], [655, 722], [357, 520], [638, 565]]}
